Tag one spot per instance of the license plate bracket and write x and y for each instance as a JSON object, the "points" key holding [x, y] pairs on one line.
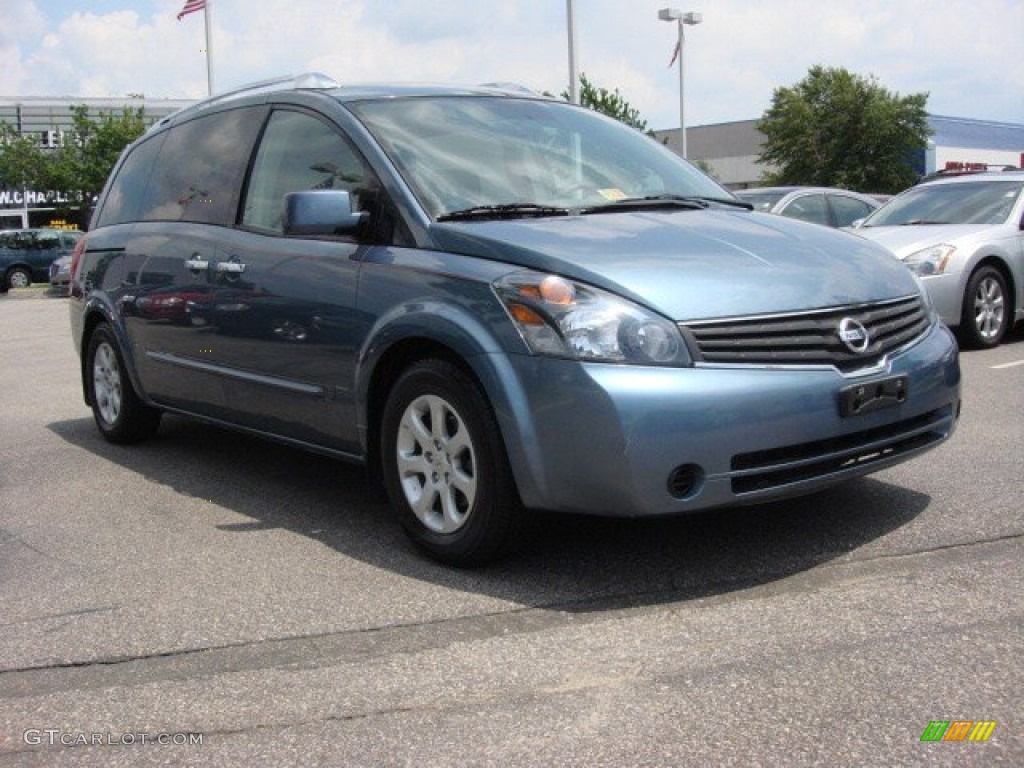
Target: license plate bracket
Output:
{"points": [[872, 396]]}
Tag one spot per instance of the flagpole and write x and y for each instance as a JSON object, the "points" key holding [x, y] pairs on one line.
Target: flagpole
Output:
{"points": [[574, 87], [209, 47]]}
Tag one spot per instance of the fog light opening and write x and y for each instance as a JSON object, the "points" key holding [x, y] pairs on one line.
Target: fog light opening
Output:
{"points": [[685, 480]]}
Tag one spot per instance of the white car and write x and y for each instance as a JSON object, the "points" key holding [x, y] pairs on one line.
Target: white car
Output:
{"points": [[964, 237], [827, 206]]}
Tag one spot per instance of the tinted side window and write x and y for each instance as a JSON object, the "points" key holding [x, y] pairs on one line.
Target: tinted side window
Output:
{"points": [[300, 152], [47, 240], [848, 209], [128, 188], [808, 208], [201, 167], [16, 241]]}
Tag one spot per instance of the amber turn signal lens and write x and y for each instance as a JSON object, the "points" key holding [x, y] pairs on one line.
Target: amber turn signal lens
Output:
{"points": [[525, 315]]}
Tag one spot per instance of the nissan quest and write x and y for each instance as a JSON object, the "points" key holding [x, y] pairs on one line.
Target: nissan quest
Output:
{"points": [[500, 303]]}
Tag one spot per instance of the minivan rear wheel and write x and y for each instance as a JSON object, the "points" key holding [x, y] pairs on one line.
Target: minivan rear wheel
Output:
{"points": [[19, 277], [986, 314], [119, 413], [445, 468]]}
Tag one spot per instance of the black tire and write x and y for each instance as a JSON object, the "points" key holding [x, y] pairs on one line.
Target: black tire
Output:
{"points": [[986, 311], [119, 413], [449, 482], [18, 277]]}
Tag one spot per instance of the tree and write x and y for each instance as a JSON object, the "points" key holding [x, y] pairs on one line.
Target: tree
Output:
{"points": [[834, 128], [23, 163], [610, 103]]}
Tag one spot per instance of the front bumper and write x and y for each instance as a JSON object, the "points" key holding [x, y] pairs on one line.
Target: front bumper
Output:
{"points": [[635, 441]]}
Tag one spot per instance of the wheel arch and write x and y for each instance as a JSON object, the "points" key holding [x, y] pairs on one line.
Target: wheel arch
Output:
{"points": [[94, 314], [457, 337]]}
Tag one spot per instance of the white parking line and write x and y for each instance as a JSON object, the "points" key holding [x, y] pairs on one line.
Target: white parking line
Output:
{"points": [[1007, 365]]}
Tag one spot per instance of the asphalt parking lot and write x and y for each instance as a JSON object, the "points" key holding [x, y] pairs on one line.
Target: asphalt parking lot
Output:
{"points": [[209, 599]]}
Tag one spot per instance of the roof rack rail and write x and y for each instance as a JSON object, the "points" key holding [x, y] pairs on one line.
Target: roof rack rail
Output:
{"points": [[508, 86], [301, 81]]}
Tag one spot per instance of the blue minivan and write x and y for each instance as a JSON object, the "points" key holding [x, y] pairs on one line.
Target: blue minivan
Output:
{"points": [[26, 255], [499, 302]]}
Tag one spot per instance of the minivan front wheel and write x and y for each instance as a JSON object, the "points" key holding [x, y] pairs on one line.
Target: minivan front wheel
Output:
{"points": [[986, 313], [119, 413], [445, 468]]}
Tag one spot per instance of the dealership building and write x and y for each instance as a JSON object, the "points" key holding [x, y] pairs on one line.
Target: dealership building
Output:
{"points": [[730, 150], [50, 120]]}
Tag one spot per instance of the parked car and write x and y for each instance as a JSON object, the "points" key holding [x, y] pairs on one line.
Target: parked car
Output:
{"points": [[498, 302], [818, 205], [964, 236], [26, 254], [60, 271]]}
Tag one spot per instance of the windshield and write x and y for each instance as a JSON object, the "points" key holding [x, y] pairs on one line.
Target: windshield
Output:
{"points": [[975, 202], [461, 153]]}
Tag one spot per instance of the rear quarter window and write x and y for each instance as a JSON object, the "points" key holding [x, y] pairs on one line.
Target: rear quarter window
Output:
{"points": [[127, 190], [848, 209]]}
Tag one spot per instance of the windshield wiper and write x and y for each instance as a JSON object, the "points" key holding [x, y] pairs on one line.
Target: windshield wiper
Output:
{"points": [[914, 222], [728, 201], [506, 211], [692, 202], [651, 201]]}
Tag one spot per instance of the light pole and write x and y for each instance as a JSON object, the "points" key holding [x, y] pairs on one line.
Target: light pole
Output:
{"points": [[671, 14]]}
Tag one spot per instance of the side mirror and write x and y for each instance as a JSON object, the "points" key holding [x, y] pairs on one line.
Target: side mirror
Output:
{"points": [[855, 224], [321, 212]]}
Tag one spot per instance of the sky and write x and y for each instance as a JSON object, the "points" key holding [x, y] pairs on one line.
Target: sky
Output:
{"points": [[966, 54]]}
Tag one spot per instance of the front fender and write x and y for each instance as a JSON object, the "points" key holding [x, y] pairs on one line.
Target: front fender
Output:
{"points": [[485, 348]]}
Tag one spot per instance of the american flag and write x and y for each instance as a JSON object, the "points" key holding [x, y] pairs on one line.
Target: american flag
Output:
{"points": [[191, 6]]}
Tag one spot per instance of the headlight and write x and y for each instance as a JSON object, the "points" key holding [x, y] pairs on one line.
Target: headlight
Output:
{"points": [[561, 318], [930, 261]]}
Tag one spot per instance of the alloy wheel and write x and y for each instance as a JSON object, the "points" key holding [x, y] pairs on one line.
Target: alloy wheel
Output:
{"points": [[106, 377], [436, 464]]}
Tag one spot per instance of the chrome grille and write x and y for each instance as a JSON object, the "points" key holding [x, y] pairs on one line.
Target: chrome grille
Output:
{"points": [[809, 338]]}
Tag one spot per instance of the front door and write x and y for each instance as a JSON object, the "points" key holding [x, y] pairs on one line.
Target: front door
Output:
{"points": [[286, 327]]}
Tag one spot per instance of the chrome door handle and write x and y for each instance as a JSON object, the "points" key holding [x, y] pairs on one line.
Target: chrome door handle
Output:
{"points": [[196, 264], [231, 267]]}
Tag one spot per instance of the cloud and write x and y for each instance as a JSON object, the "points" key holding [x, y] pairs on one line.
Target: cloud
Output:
{"points": [[734, 60], [22, 22]]}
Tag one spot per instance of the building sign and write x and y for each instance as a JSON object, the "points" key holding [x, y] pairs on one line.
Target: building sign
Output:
{"points": [[16, 198], [958, 165], [960, 159]]}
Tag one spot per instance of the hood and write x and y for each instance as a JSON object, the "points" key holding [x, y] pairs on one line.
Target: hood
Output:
{"points": [[911, 238], [690, 265]]}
